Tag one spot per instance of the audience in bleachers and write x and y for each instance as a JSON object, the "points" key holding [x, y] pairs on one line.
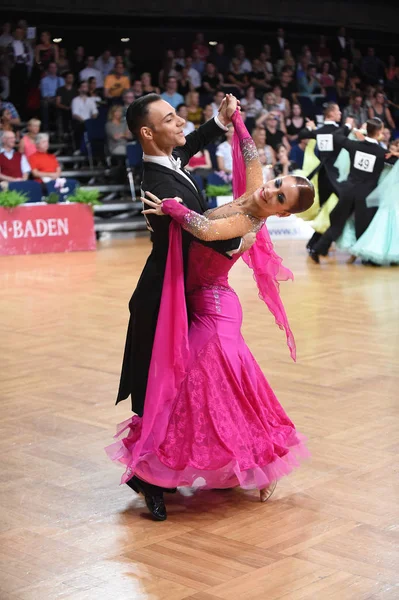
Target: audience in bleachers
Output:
{"points": [[279, 88]]}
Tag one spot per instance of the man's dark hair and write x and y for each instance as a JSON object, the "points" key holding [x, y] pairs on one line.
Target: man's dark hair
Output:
{"points": [[68, 73], [328, 108], [137, 113], [374, 125], [91, 79], [179, 106]]}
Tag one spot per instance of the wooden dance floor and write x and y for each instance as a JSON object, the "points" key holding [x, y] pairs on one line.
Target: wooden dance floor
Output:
{"points": [[69, 531]]}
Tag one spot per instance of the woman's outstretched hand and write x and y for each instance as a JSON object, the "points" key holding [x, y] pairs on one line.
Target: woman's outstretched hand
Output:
{"points": [[155, 204]]}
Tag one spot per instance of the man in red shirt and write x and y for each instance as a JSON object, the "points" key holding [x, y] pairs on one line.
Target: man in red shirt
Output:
{"points": [[45, 166]]}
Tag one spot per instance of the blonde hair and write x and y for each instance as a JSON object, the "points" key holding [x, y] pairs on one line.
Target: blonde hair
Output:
{"points": [[35, 122], [113, 110], [190, 96]]}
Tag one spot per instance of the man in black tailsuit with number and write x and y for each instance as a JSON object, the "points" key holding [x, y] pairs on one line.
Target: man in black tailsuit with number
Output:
{"points": [[367, 160], [328, 153], [166, 151]]}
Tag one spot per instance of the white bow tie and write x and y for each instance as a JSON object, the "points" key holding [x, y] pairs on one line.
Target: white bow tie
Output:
{"points": [[175, 162]]}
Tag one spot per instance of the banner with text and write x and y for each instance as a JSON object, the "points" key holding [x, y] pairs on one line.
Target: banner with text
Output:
{"points": [[41, 228]]}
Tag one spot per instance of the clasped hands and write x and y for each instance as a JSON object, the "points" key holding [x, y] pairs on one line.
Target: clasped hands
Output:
{"points": [[155, 204]]}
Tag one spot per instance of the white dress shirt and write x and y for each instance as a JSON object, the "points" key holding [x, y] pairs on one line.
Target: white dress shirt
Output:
{"points": [[194, 77], [188, 128], [84, 107]]}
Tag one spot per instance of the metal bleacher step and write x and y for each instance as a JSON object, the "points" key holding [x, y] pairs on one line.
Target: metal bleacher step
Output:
{"points": [[85, 173], [72, 159], [131, 224], [103, 189], [117, 206]]}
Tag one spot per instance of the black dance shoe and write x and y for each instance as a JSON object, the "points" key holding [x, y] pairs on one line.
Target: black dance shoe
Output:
{"points": [[314, 256], [153, 497]]}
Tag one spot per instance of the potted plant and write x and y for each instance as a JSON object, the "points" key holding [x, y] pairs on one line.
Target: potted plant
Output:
{"points": [[12, 198]]}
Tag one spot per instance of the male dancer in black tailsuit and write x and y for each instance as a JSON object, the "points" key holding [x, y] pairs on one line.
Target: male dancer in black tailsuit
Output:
{"points": [[166, 152], [367, 162], [328, 153]]}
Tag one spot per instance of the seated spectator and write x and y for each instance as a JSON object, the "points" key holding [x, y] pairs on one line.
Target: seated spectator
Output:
{"points": [[46, 52], [342, 86], [180, 59], [380, 109], [63, 62], [390, 69], [220, 60], [287, 61], [245, 65], [266, 64], [288, 85], [182, 111], [257, 76], [78, 62], [252, 105], [217, 101], [372, 68], [200, 163], [45, 167], [93, 91], [48, 91], [201, 46], [192, 74], [284, 166], [194, 109], [323, 52], [5, 121], [83, 108], [296, 123], [117, 132], [171, 94], [297, 153], [128, 98], [224, 156], [128, 62], [63, 102], [309, 85], [207, 113], [91, 71], [355, 110], [137, 89], [198, 62], [105, 63], [27, 145], [259, 137], [282, 104], [148, 88], [14, 166], [236, 77], [211, 80], [326, 79], [185, 86], [267, 170], [116, 82], [386, 138], [6, 38], [274, 135], [168, 70]]}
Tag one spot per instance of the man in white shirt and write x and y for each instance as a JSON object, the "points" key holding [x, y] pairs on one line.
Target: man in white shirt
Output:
{"points": [[83, 108], [91, 71], [18, 53], [193, 74], [217, 101], [223, 154], [105, 63]]}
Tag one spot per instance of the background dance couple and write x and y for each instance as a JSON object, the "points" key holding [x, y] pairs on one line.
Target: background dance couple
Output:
{"points": [[205, 415]]}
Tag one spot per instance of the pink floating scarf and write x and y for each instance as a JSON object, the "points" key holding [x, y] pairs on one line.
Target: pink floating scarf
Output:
{"points": [[267, 266]]}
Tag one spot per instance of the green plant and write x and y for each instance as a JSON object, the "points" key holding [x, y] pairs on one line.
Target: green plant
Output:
{"points": [[52, 198], [12, 198], [219, 190], [85, 197]]}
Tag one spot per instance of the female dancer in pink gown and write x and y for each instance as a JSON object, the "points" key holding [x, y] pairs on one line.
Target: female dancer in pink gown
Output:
{"points": [[211, 419]]}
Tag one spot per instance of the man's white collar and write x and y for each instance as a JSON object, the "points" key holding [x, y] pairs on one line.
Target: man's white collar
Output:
{"points": [[331, 123], [371, 140]]}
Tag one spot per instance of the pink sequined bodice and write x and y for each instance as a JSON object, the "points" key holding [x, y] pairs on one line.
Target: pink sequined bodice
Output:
{"points": [[207, 268]]}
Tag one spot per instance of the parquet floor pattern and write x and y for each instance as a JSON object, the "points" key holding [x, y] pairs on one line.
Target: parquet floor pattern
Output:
{"points": [[68, 531]]}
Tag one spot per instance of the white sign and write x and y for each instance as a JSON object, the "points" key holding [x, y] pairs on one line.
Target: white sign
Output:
{"points": [[325, 142], [364, 162]]}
